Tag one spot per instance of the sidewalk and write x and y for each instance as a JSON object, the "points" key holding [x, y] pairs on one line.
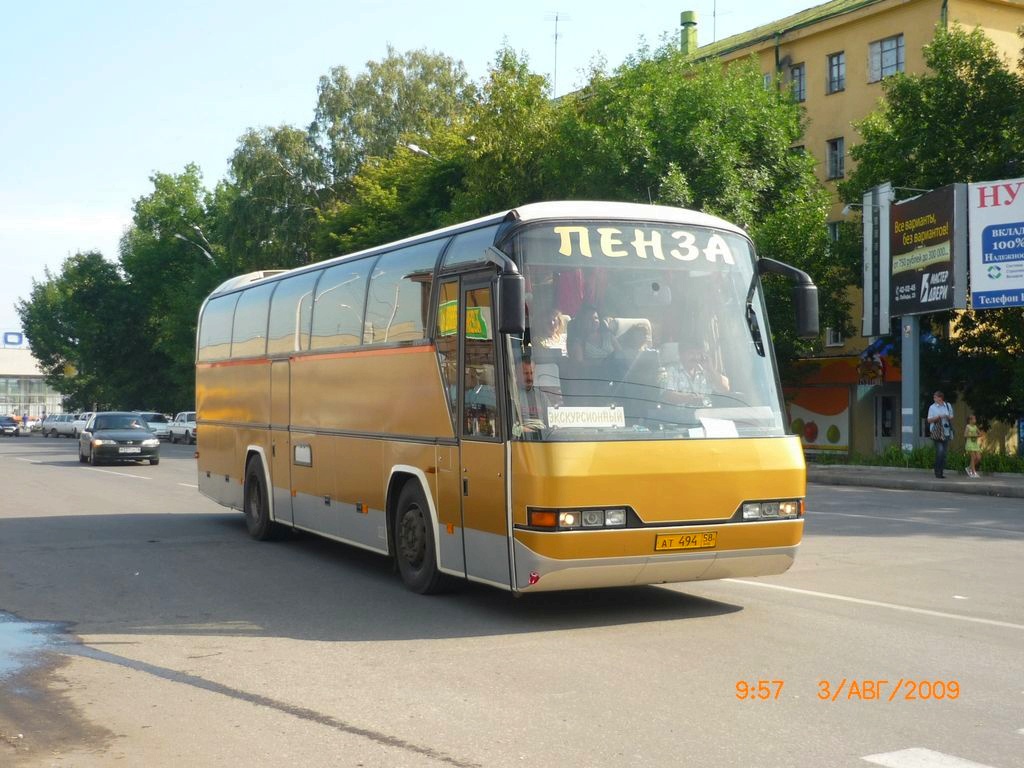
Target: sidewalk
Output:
{"points": [[998, 484]]}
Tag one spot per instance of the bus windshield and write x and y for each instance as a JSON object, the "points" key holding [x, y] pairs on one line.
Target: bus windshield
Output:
{"points": [[640, 331]]}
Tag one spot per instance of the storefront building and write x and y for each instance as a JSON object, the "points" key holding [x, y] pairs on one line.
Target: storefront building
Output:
{"points": [[23, 389]]}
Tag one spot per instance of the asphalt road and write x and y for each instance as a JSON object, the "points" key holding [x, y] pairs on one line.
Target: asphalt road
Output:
{"points": [[164, 636]]}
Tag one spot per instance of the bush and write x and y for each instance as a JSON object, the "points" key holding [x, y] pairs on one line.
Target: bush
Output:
{"points": [[923, 457]]}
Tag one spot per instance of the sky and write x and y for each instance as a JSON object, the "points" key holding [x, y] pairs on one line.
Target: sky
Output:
{"points": [[97, 97]]}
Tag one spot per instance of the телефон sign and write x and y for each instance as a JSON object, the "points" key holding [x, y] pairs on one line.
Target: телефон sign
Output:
{"points": [[928, 262]]}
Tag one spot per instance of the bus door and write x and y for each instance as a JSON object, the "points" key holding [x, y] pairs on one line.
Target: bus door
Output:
{"points": [[280, 440], [482, 447]]}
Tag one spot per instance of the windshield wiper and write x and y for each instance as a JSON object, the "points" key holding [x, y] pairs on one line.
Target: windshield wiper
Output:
{"points": [[752, 324]]}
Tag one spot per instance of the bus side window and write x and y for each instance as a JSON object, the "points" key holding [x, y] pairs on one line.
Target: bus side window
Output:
{"points": [[290, 311], [215, 328], [470, 247], [338, 309], [249, 334], [398, 304]]}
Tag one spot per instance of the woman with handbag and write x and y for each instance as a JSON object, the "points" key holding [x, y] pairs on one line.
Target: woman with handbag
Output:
{"points": [[940, 430]]}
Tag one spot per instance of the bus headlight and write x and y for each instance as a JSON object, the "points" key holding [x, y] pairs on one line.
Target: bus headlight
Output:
{"points": [[569, 519], [772, 510], [577, 519], [615, 518]]}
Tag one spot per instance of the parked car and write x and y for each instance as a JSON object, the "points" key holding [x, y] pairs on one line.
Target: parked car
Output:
{"points": [[117, 436], [79, 422], [183, 427], [157, 422], [9, 427], [58, 424]]}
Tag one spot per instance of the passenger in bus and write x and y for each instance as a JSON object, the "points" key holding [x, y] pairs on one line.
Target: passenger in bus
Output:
{"points": [[589, 336], [689, 378], [633, 342], [533, 401], [548, 329]]}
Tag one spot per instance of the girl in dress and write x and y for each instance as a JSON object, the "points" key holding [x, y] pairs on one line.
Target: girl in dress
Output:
{"points": [[972, 445]]}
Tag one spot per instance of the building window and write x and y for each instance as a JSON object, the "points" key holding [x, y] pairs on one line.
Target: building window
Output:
{"points": [[836, 155], [836, 72], [885, 58], [798, 81], [834, 337], [833, 231]]}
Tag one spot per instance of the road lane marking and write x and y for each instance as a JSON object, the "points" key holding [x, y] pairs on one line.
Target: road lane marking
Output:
{"points": [[919, 522], [921, 758], [188, 485], [879, 604], [122, 474]]}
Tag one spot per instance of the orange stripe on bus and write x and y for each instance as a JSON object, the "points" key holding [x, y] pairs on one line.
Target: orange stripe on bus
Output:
{"points": [[365, 353], [233, 363], [419, 349]]}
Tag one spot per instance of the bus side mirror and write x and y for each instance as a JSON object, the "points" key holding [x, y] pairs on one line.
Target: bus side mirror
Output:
{"points": [[805, 295], [512, 304], [805, 300]]}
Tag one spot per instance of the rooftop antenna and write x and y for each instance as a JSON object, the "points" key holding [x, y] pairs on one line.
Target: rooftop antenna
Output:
{"points": [[556, 17], [714, 20]]}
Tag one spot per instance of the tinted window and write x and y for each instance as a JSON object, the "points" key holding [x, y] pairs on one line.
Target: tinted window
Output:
{"points": [[338, 310], [249, 337], [215, 328], [290, 313], [399, 300], [470, 247]]}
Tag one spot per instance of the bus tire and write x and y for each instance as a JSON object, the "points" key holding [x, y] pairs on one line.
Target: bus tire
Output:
{"points": [[257, 505], [414, 542]]}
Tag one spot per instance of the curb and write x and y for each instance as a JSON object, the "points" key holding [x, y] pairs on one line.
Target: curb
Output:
{"points": [[892, 478]]}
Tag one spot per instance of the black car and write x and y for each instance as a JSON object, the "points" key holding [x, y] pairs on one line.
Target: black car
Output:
{"points": [[9, 427], [117, 436]]}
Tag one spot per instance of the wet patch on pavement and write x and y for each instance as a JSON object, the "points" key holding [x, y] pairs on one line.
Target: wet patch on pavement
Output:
{"points": [[37, 719]]}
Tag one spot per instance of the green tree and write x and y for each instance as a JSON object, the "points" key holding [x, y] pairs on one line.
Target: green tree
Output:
{"points": [[960, 121], [416, 93], [268, 208], [170, 265], [84, 327]]}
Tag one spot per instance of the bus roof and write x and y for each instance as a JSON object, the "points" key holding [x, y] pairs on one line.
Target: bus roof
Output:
{"points": [[559, 209]]}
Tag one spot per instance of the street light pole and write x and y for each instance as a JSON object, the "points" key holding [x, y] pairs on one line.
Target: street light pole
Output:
{"points": [[209, 255]]}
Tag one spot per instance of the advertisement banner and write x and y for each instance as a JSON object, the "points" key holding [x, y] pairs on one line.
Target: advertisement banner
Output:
{"points": [[927, 247], [996, 214]]}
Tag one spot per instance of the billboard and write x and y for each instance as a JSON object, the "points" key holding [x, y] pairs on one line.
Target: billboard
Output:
{"points": [[928, 252], [996, 214]]}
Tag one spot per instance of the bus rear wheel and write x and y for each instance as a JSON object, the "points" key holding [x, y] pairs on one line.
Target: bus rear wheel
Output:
{"points": [[414, 542], [256, 505]]}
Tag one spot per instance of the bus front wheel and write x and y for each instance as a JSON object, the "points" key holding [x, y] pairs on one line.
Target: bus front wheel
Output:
{"points": [[257, 505], [414, 542]]}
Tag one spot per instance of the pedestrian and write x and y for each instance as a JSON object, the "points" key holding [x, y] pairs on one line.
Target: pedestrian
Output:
{"points": [[972, 445], [940, 430]]}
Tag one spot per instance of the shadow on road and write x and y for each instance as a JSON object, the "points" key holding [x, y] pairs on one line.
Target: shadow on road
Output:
{"points": [[200, 574]]}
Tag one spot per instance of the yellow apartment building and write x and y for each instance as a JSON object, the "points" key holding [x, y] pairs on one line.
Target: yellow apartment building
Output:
{"points": [[834, 57]]}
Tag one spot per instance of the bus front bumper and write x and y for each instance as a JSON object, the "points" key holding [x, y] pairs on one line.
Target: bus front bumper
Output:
{"points": [[537, 573]]}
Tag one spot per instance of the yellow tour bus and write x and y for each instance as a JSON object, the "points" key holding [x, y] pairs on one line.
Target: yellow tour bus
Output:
{"points": [[564, 395]]}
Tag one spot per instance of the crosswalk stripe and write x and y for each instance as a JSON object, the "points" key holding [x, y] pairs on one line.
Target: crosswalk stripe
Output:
{"points": [[918, 757]]}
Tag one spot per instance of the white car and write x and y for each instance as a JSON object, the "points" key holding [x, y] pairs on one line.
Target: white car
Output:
{"points": [[157, 423], [183, 427], [79, 423], [58, 425]]}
